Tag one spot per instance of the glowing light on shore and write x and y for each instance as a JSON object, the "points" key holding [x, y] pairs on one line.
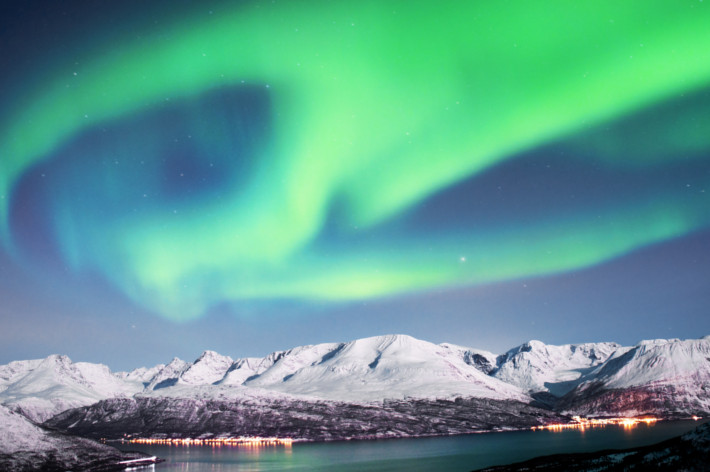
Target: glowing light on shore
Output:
{"points": [[584, 423], [241, 441]]}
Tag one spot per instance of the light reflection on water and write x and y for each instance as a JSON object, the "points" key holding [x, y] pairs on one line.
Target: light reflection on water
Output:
{"points": [[452, 453]]}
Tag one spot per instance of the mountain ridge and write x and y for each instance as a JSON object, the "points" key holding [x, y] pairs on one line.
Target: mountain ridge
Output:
{"points": [[571, 378]]}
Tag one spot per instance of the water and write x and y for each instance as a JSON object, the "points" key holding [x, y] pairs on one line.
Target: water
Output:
{"points": [[454, 453]]}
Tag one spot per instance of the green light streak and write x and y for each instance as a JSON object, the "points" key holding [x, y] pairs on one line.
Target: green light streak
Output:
{"points": [[379, 104]]}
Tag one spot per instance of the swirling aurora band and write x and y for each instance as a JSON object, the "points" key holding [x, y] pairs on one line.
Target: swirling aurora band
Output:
{"points": [[372, 109]]}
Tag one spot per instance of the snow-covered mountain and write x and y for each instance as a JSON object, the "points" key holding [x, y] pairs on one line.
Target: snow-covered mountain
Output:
{"points": [[379, 387], [246, 368], [143, 375], [382, 367], [371, 369], [168, 375], [279, 366], [12, 372], [575, 378], [209, 368], [659, 376], [538, 367], [658, 362], [40, 389], [482, 360]]}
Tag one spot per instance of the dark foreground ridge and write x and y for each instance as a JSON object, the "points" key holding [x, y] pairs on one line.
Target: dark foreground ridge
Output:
{"points": [[167, 417], [27, 447], [69, 453], [689, 452]]}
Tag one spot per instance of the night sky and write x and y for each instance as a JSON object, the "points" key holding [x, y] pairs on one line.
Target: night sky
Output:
{"points": [[247, 176]]}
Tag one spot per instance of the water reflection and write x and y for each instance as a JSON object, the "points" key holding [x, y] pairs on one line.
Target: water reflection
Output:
{"points": [[462, 453], [583, 423]]}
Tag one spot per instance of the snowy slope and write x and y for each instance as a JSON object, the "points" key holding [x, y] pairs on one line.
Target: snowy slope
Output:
{"points": [[14, 371], [484, 361], [231, 393], [209, 368], [656, 377], [538, 367], [25, 446], [243, 369], [18, 434], [284, 364], [276, 365], [382, 367], [168, 375], [143, 375], [660, 361], [48, 386]]}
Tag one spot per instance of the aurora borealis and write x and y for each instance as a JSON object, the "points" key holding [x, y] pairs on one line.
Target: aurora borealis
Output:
{"points": [[224, 155]]}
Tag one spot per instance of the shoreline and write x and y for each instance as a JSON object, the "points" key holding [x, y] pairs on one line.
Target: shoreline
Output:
{"points": [[247, 441]]}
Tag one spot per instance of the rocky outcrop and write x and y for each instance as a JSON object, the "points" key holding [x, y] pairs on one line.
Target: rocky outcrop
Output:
{"points": [[160, 417]]}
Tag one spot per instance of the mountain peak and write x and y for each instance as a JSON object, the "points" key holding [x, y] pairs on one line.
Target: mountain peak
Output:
{"points": [[539, 367], [386, 341], [56, 359], [210, 355], [381, 367], [209, 368], [168, 375]]}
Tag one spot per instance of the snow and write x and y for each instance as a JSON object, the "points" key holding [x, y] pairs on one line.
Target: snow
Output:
{"points": [[169, 374], [680, 366], [143, 374], [538, 367], [657, 342], [243, 369], [209, 368], [382, 367], [25, 446], [101, 380], [221, 392], [13, 371], [485, 361], [369, 370], [362, 371], [43, 388], [17, 433], [286, 363]]}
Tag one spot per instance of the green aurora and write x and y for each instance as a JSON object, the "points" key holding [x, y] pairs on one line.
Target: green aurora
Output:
{"points": [[374, 108]]}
